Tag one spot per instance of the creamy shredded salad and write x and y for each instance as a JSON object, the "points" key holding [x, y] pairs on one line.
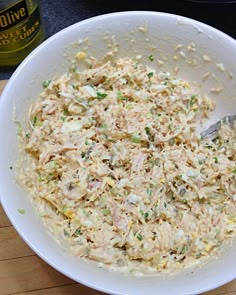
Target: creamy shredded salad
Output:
{"points": [[113, 162]]}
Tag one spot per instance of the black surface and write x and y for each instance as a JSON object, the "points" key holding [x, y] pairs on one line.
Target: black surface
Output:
{"points": [[58, 14]]}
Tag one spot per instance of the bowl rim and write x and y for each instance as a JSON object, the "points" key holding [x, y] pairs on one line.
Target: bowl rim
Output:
{"points": [[18, 71]]}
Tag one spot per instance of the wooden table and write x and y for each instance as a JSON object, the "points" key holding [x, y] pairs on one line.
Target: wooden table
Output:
{"points": [[23, 272]]}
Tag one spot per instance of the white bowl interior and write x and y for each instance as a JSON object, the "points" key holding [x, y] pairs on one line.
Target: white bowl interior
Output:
{"points": [[175, 42]]}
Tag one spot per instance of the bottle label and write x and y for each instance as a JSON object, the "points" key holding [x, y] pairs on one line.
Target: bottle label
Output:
{"points": [[12, 37], [13, 15]]}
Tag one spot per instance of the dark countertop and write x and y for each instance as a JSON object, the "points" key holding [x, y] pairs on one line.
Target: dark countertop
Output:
{"points": [[58, 14]]}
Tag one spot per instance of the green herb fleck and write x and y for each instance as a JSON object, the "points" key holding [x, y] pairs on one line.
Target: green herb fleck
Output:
{"points": [[85, 212], [113, 190], [106, 212], [101, 95], [19, 130], [52, 164], [129, 106], [149, 192], [78, 232], [198, 255], [10, 167], [172, 141], [154, 236], [120, 96], [216, 160], [27, 135], [200, 162], [147, 130], [192, 100], [66, 112], [150, 74], [141, 212], [40, 178], [103, 126], [234, 171], [159, 114], [184, 250], [35, 119], [64, 209], [46, 83], [21, 211], [151, 57], [87, 141], [155, 162], [83, 154], [146, 215], [135, 138], [139, 237], [165, 204]]}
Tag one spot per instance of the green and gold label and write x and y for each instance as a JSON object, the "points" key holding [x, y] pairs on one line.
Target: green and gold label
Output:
{"points": [[18, 27]]}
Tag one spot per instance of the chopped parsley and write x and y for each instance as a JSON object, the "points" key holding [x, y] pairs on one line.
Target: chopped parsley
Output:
{"points": [[21, 211], [78, 232], [66, 112], [139, 237], [135, 138], [192, 100], [106, 212], [147, 130], [150, 74], [234, 171], [35, 119], [151, 57], [146, 215], [83, 154], [119, 95], [101, 95], [103, 126], [141, 212], [149, 192], [46, 83], [216, 160], [36, 122], [184, 250]]}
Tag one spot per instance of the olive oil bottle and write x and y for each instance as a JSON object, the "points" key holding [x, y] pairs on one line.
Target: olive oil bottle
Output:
{"points": [[21, 30]]}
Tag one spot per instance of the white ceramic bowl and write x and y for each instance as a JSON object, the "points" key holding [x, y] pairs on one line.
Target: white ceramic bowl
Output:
{"points": [[203, 55]]}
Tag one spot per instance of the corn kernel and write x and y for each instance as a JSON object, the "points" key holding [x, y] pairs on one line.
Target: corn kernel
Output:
{"points": [[194, 235], [69, 214], [162, 179], [81, 55], [109, 181], [208, 248]]}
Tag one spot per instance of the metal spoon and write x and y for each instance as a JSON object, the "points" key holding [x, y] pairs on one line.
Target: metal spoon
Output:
{"points": [[212, 131]]}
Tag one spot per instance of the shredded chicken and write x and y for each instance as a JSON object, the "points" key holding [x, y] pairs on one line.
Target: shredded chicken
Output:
{"points": [[113, 161]]}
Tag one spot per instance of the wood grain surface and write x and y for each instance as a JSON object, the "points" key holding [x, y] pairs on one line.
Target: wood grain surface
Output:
{"points": [[23, 272]]}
